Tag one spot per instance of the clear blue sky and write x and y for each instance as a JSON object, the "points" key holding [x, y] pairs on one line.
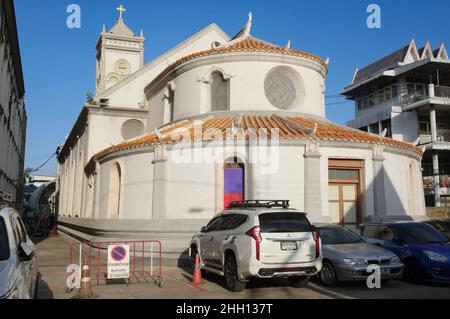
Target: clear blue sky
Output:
{"points": [[59, 63]]}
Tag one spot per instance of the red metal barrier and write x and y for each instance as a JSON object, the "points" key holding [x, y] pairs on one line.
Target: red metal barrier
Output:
{"points": [[141, 271]]}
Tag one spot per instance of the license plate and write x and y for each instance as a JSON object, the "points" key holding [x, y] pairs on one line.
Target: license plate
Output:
{"points": [[288, 245]]}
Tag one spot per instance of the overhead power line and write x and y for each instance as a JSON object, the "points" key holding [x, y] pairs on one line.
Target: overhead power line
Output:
{"points": [[335, 103], [33, 170]]}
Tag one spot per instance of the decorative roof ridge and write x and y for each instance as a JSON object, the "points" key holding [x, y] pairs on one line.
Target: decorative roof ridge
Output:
{"points": [[245, 31], [306, 128], [297, 126]]}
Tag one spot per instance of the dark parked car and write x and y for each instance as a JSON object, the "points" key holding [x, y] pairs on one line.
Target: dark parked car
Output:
{"points": [[442, 225], [346, 257], [421, 247]]}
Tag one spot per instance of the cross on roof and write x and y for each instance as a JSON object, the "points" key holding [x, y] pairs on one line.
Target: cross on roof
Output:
{"points": [[121, 10]]}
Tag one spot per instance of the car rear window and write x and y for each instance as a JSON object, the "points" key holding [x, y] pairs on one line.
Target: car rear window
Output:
{"points": [[4, 245], [284, 223]]}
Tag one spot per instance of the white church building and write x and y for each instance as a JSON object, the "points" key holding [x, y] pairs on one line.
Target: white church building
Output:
{"points": [[165, 146]]}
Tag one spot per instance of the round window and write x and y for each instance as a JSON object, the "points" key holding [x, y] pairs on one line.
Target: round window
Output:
{"points": [[122, 67], [284, 88], [132, 129]]}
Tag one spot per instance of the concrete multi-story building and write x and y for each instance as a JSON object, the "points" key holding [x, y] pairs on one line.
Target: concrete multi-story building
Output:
{"points": [[406, 96], [13, 117]]}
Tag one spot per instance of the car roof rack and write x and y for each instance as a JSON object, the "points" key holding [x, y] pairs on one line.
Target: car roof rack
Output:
{"points": [[260, 204]]}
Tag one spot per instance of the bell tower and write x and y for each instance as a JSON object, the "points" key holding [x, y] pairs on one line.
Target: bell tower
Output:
{"points": [[120, 53]]}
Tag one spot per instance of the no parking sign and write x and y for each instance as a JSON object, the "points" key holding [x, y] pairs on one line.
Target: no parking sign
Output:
{"points": [[118, 261]]}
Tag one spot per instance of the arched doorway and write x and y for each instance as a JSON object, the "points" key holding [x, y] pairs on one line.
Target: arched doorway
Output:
{"points": [[234, 182]]}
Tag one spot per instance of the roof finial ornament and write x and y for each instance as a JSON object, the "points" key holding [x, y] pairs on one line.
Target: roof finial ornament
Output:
{"points": [[121, 10], [288, 45], [248, 27]]}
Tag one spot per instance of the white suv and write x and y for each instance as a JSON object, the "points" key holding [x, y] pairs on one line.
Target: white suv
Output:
{"points": [[263, 239]]}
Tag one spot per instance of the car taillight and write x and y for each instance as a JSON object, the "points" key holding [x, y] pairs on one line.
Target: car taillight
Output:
{"points": [[317, 240], [255, 233]]}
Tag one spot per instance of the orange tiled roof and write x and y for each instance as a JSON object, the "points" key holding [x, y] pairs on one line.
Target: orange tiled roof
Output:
{"points": [[289, 128], [248, 44]]}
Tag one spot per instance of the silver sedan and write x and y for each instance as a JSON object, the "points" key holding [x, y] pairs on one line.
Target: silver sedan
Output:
{"points": [[346, 257]]}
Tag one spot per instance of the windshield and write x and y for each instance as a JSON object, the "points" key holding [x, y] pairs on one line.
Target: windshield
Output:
{"points": [[420, 234], [338, 236], [4, 246], [284, 223]]}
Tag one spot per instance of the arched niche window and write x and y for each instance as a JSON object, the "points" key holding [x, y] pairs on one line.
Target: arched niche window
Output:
{"points": [[234, 181], [169, 104], [220, 92], [172, 103], [115, 183]]}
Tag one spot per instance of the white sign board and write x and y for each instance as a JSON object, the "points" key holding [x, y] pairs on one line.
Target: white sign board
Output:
{"points": [[118, 261]]}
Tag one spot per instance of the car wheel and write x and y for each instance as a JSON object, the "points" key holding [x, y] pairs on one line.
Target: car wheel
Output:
{"points": [[414, 271], [299, 281], [328, 275], [231, 275]]}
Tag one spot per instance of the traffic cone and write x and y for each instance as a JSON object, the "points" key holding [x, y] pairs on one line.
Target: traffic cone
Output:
{"points": [[85, 291], [197, 279]]}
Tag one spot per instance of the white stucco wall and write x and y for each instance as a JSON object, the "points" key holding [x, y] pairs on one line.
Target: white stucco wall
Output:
{"points": [[401, 188], [405, 126], [287, 181], [137, 186], [130, 92], [191, 190], [195, 189], [105, 129], [247, 77]]}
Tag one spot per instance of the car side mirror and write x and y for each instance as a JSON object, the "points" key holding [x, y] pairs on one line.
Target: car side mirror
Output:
{"points": [[203, 230], [26, 251]]}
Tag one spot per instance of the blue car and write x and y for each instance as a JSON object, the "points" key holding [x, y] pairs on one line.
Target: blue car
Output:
{"points": [[424, 251]]}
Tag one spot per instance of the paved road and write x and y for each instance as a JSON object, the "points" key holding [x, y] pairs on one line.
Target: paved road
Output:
{"points": [[53, 260]]}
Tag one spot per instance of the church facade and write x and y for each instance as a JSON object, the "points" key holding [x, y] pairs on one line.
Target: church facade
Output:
{"points": [[165, 146]]}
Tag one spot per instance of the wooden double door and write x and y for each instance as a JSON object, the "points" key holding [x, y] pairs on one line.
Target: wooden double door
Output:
{"points": [[344, 193], [343, 204]]}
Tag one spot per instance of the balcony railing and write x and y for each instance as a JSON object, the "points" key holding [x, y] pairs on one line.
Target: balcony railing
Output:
{"points": [[439, 92], [413, 98], [443, 135], [442, 91]]}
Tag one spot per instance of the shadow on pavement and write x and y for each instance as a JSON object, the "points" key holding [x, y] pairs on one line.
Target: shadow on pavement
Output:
{"points": [[44, 290]]}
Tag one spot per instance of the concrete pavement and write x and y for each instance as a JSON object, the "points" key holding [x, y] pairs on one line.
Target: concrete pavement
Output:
{"points": [[53, 256]]}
